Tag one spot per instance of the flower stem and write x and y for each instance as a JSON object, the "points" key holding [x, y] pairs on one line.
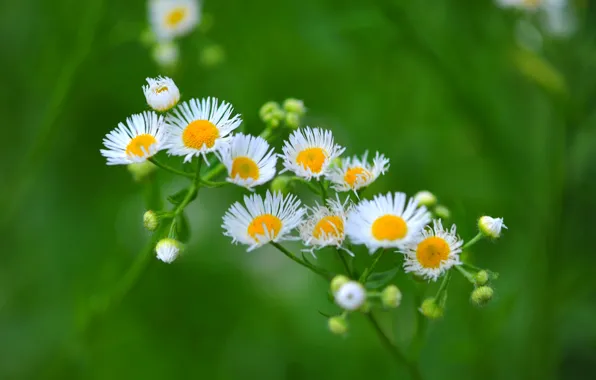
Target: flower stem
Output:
{"points": [[323, 192], [193, 190], [466, 274], [393, 350], [170, 169], [474, 240], [344, 262], [370, 269], [306, 264]]}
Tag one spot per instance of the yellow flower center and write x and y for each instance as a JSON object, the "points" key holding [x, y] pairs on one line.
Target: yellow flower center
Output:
{"points": [[175, 16], [432, 251], [245, 168], [137, 144], [531, 3], [312, 158], [262, 223], [329, 226], [389, 227], [199, 133], [161, 89], [357, 175]]}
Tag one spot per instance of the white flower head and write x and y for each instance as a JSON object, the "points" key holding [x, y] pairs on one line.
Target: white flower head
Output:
{"points": [[167, 250], [161, 93], [387, 221], [433, 252], [249, 161], [142, 136], [309, 152], [259, 221], [198, 127], [166, 54], [350, 296], [491, 227], [325, 225], [173, 18], [354, 173]]}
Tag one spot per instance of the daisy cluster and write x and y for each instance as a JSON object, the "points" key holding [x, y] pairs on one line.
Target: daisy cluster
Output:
{"points": [[208, 130]]}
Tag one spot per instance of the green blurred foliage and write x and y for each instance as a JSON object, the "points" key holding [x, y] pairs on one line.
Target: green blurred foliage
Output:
{"points": [[440, 88]]}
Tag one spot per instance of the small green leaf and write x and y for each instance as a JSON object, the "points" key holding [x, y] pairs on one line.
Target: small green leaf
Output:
{"points": [[380, 279], [178, 197], [182, 228]]}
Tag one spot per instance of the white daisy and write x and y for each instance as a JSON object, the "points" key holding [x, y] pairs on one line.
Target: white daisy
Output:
{"points": [[433, 252], [350, 296], [260, 222], [249, 161], [161, 93], [142, 136], [325, 225], [198, 127], [167, 250], [386, 221], [173, 18], [354, 173], [309, 152]]}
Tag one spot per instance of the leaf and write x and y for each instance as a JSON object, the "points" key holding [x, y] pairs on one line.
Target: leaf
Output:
{"points": [[182, 228], [380, 279], [324, 314], [178, 197]]}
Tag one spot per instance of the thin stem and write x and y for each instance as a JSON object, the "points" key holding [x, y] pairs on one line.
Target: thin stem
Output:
{"points": [[393, 350], [170, 169], [310, 185], [466, 274], [370, 269], [191, 194], [474, 240], [213, 184], [323, 191], [440, 297], [344, 262], [421, 326], [305, 264]]}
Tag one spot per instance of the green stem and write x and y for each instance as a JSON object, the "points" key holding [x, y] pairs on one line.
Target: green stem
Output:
{"points": [[310, 185], [421, 326], [474, 240], [213, 184], [442, 292], [191, 194], [393, 350], [370, 269], [305, 264], [323, 191], [466, 274], [170, 169], [344, 262]]}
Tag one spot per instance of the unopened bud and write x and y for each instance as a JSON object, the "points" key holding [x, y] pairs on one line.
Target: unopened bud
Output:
{"points": [[166, 54], [150, 220], [292, 120], [482, 295], [426, 198], [167, 250], [430, 309], [491, 227], [481, 278], [338, 325], [271, 113], [391, 296], [281, 184], [141, 170], [294, 106], [350, 296], [212, 56], [337, 282], [442, 212]]}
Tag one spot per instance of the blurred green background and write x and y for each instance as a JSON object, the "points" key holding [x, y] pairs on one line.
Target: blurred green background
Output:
{"points": [[440, 87]]}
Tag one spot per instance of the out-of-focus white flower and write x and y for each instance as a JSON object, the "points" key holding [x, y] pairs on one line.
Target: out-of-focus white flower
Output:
{"points": [[350, 296], [173, 18]]}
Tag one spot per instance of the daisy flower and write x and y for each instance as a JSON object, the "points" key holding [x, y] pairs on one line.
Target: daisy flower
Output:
{"points": [[325, 225], [386, 221], [354, 173], [161, 93], [173, 18], [309, 152], [350, 296], [141, 137], [198, 127], [259, 222], [167, 250], [249, 161], [434, 252]]}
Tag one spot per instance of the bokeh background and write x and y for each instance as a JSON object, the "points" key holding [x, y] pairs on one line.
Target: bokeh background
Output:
{"points": [[443, 88]]}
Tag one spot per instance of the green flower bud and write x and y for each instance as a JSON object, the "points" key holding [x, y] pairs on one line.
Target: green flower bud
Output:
{"points": [[426, 198], [292, 120], [150, 220], [430, 309], [168, 250], [337, 282], [338, 325], [212, 55], [281, 183], [442, 212], [491, 227], [294, 106], [141, 170], [147, 37], [481, 278], [268, 109], [482, 295], [391, 296]]}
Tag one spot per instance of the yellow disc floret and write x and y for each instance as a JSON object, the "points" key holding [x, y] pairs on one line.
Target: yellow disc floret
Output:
{"points": [[175, 16], [262, 223], [139, 146], [245, 167], [389, 227], [312, 158], [432, 251], [329, 226], [200, 133], [357, 175]]}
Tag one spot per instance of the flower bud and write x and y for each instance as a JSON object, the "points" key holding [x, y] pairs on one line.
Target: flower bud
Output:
{"points": [[292, 120], [271, 113], [391, 296], [350, 296], [281, 183], [491, 227], [150, 220], [430, 309], [141, 170], [166, 54], [481, 278], [426, 198], [294, 106], [338, 325], [167, 250], [212, 55], [442, 212], [482, 295], [337, 282]]}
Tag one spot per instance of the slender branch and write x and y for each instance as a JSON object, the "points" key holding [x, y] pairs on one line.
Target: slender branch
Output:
{"points": [[213, 184], [370, 269], [170, 169], [474, 240], [192, 190], [344, 262], [306, 264], [466, 274], [323, 192]]}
